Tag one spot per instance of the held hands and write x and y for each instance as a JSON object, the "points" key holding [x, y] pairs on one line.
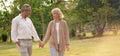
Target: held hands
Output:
{"points": [[41, 44]]}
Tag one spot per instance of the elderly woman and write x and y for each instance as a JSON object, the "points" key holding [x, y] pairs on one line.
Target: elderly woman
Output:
{"points": [[58, 34]]}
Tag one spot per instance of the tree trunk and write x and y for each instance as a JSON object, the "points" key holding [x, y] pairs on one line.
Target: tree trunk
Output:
{"points": [[42, 17], [99, 30]]}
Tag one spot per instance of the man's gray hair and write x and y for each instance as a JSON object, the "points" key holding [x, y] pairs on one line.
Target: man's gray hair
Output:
{"points": [[25, 7]]}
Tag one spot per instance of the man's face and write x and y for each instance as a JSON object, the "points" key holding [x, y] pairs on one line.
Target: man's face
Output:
{"points": [[27, 13]]}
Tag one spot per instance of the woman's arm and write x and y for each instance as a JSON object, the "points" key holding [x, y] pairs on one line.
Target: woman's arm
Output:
{"points": [[66, 34], [48, 33]]}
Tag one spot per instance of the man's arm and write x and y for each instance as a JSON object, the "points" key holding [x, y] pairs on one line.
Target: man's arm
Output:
{"points": [[14, 31], [34, 33]]}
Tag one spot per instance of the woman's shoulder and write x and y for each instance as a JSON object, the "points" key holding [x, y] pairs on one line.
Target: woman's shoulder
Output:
{"points": [[63, 21], [51, 22]]}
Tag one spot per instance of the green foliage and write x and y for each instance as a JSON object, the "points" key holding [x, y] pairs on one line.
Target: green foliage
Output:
{"points": [[80, 14], [97, 13]]}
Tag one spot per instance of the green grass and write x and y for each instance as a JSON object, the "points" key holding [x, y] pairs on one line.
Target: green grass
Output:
{"points": [[100, 46]]}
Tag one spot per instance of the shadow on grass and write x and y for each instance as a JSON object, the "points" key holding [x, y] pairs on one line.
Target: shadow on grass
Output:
{"points": [[86, 38], [90, 37], [6, 45]]}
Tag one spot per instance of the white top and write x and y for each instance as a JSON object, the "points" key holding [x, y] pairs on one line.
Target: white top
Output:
{"points": [[57, 29], [23, 29]]}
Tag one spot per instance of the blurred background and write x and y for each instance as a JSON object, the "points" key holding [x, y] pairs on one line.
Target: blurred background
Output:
{"points": [[92, 24]]}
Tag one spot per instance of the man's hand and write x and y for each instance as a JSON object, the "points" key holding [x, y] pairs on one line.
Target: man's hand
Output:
{"points": [[18, 43]]}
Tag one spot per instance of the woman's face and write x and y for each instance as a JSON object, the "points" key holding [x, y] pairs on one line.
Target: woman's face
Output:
{"points": [[56, 15]]}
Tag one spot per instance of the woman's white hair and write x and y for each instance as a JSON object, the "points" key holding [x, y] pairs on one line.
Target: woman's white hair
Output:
{"points": [[58, 11]]}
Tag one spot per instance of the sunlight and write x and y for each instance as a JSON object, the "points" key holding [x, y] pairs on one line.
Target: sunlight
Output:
{"points": [[7, 4]]}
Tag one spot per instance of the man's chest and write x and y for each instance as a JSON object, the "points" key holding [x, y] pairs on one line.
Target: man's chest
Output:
{"points": [[24, 24]]}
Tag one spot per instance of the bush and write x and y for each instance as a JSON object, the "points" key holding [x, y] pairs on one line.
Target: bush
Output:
{"points": [[4, 37], [81, 35], [72, 33], [0, 38]]}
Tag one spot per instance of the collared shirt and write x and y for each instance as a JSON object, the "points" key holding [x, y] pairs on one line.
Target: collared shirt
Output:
{"points": [[23, 28]]}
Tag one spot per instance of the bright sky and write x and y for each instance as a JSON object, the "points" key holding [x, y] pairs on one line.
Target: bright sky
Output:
{"points": [[7, 3]]}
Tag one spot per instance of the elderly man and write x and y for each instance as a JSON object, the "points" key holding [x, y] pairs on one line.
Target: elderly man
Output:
{"points": [[23, 30]]}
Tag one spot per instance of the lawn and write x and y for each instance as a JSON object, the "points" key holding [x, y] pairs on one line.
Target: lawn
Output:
{"points": [[100, 46]]}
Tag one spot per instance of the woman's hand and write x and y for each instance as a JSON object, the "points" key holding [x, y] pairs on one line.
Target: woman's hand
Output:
{"points": [[67, 47], [41, 44]]}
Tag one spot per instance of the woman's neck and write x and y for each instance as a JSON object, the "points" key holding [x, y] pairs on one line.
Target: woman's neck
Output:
{"points": [[57, 21]]}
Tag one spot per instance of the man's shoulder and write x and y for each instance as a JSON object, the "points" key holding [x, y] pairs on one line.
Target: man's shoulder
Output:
{"points": [[29, 19], [16, 18]]}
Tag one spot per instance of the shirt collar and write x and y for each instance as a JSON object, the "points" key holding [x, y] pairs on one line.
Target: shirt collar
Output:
{"points": [[21, 16]]}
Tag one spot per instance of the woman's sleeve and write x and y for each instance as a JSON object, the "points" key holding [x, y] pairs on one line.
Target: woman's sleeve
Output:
{"points": [[67, 34], [48, 33]]}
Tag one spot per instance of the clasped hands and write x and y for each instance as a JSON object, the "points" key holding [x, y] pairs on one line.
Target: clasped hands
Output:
{"points": [[41, 44]]}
